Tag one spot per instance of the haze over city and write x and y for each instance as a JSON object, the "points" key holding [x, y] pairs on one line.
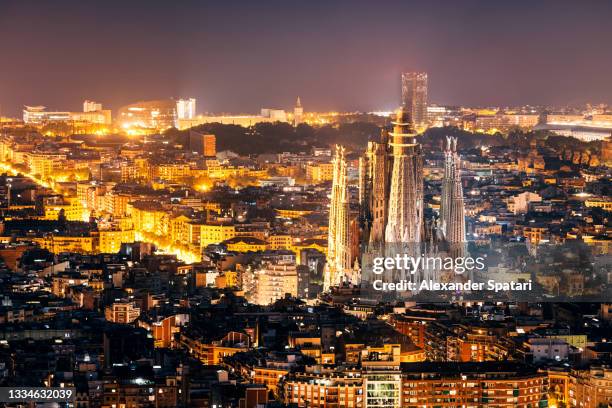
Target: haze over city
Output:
{"points": [[342, 56]]}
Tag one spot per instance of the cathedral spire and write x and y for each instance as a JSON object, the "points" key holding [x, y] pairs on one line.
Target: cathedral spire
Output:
{"points": [[338, 265], [405, 216], [298, 112], [452, 208]]}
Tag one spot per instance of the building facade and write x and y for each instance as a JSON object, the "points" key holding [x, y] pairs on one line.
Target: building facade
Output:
{"points": [[414, 96]]}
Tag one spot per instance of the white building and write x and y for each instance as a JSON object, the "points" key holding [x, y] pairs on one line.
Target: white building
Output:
{"points": [[186, 109], [519, 204], [272, 282], [91, 106], [550, 349]]}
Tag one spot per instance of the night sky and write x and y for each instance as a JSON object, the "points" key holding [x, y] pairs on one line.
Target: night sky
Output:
{"points": [[239, 56]]}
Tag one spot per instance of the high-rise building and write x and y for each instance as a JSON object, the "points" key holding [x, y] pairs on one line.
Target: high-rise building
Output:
{"points": [[203, 143], [405, 215], [91, 106], [186, 108], [338, 241], [210, 145], [414, 96], [452, 209], [273, 282], [298, 112]]}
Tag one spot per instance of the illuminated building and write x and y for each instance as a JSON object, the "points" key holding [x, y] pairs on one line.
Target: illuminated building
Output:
{"points": [[269, 376], [532, 162], [590, 388], [185, 108], [414, 96], [599, 203], [519, 204], [138, 392], [245, 244], [207, 234], [228, 279], [101, 117], [273, 282], [110, 240], [211, 353], [338, 267], [172, 172], [452, 210], [115, 203], [63, 280], [56, 205], [148, 115], [585, 133], [472, 384], [91, 106], [165, 329], [606, 151], [38, 115], [405, 216], [324, 389], [292, 212], [44, 164], [122, 312], [275, 115], [210, 145], [149, 217], [558, 387], [477, 346], [61, 244], [298, 113], [563, 118], [202, 143], [280, 241], [320, 172], [382, 376], [535, 234], [267, 115]]}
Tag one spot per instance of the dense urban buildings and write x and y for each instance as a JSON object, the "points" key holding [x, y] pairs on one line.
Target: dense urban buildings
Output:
{"points": [[228, 279]]}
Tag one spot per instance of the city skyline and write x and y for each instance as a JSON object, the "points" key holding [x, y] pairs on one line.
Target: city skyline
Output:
{"points": [[473, 52]]}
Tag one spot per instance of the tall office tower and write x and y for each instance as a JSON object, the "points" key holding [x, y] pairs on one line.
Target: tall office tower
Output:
{"points": [[298, 113], [452, 207], [338, 242], [405, 216], [91, 106], [202, 143], [186, 108], [414, 96]]}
